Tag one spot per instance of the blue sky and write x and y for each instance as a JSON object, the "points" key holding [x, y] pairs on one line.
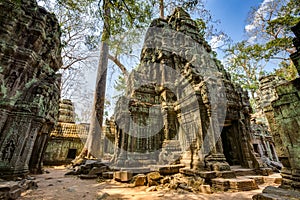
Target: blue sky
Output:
{"points": [[232, 14]]}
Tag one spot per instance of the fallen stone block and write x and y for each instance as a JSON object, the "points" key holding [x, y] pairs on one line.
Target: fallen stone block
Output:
{"points": [[276, 193], [15, 193], [165, 180], [205, 189], [168, 169], [152, 183], [185, 187], [108, 175], [151, 189], [87, 176], [98, 170], [153, 176], [117, 176], [123, 176], [102, 196], [139, 180]]}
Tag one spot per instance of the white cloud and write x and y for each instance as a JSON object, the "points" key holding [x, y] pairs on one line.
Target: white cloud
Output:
{"points": [[252, 39], [216, 41], [262, 11], [249, 27]]}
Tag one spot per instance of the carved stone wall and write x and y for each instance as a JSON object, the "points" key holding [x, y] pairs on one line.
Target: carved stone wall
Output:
{"points": [[181, 103], [29, 59], [283, 114], [67, 139], [264, 146]]}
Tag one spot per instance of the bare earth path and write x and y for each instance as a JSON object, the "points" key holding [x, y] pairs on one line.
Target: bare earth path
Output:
{"points": [[56, 186]]}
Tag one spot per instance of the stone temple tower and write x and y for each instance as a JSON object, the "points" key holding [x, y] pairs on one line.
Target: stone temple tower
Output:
{"points": [[180, 104]]}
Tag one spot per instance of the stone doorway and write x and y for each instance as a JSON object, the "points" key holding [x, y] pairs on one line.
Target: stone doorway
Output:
{"points": [[72, 153], [231, 145]]}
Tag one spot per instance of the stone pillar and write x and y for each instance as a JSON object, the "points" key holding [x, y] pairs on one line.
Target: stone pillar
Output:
{"points": [[40, 145]]}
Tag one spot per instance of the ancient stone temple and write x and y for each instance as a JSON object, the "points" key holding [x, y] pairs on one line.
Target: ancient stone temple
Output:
{"points": [[67, 139], [181, 106], [283, 114], [29, 59]]}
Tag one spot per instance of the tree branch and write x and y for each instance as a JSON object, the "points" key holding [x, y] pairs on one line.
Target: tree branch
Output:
{"points": [[119, 64]]}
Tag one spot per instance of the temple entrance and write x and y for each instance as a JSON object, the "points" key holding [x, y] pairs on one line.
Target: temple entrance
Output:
{"points": [[72, 153], [231, 146]]}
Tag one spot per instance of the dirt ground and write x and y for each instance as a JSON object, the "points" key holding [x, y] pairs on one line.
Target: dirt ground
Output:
{"points": [[56, 186]]}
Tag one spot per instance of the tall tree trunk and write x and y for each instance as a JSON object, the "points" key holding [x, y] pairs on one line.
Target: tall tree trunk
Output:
{"points": [[94, 144], [161, 9]]}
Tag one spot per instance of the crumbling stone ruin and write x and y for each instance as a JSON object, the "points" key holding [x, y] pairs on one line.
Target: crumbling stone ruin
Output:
{"points": [[264, 146], [181, 106], [183, 125], [30, 56], [67, 139], [282, 110]]}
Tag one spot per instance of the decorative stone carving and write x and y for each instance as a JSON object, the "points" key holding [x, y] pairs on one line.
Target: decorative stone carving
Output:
{"points": [[29, 59], [180, 95]]}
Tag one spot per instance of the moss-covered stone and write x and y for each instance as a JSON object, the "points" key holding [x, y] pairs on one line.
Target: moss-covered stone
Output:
{"points": [[29, 58]]}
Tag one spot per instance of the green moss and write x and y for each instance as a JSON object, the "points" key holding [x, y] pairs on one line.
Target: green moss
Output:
{"points": [[29, 84], [4, 91]]}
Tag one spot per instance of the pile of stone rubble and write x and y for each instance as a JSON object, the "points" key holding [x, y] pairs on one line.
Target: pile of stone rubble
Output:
{"points": [[176, 177], [13, 189]]}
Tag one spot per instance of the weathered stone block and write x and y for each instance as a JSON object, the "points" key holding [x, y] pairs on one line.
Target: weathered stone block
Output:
{"points": [[153, 176], [117, 176], [87, 176], [169, 169], [275, 193], [205, 189], [226, 174], [236, 185], [208, 175], [108, 175], [123, 176], [151, 189], [15, 194], [220, 184], [258, 179], [139, 180], [98, 170]]}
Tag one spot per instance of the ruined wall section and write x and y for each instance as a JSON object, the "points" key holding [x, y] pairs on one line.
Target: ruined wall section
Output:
{"points": [[29, 59], [281, 105]]}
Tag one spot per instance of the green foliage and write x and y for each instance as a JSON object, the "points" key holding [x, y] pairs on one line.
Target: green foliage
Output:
{"points": [[287, 71], [120, 85], [269, 38], [201, 25]]}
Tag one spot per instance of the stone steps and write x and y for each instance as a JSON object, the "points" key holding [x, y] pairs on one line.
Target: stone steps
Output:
{"points": [[244, 172], [234, 184], [272, 179]]}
